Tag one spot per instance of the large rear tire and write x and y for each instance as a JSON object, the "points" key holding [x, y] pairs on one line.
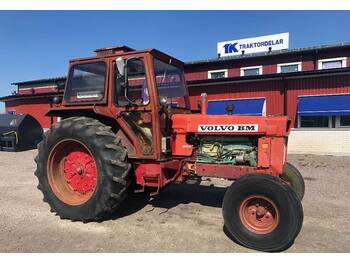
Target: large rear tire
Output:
{"points": [[263, 213], [82, 169], [294, 179]]}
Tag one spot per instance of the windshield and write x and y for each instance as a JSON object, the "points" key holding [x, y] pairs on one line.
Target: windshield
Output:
{"points": [[170, 84]]}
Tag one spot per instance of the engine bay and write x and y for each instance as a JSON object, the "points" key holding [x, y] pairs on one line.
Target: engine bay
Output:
{"points": [[232, 150]]}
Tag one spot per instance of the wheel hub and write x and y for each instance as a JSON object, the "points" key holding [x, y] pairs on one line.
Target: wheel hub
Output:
{"points": [[261, 211], [80, 171], [259, 214]]}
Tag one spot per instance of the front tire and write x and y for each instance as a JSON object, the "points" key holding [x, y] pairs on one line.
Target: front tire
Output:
{"points": [[82, 169], [294, 179], [263, 213]]}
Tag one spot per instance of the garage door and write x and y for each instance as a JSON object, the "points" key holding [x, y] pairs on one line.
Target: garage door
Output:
{"points": [[250, 106]]}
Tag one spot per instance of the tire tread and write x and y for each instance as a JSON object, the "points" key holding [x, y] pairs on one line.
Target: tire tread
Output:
{"points": [[116, 176]]}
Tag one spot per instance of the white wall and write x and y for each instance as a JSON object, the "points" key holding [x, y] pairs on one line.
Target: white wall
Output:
{"points": [[335, 141]]}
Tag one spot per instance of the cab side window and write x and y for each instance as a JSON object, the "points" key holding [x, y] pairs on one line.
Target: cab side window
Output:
{"points": [[137, 88]]}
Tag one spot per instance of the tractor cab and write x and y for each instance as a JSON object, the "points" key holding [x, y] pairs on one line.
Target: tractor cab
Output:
{"points": [[138, 89]]}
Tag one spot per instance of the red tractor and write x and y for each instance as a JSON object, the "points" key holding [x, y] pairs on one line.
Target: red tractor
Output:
{"points": [[125, 123]]}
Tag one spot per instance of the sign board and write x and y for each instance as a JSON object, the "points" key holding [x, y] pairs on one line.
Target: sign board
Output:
{"points": [[254, 45]]}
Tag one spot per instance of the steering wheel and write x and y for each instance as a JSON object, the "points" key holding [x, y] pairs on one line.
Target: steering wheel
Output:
{"points": [[136, 101]]}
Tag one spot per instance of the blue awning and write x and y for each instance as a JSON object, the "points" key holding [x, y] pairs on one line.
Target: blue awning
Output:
{"points": [[253, 107], [332, 105]]}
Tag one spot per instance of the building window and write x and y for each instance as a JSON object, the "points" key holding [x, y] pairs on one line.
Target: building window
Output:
{"points": [[332, 63], [251, 71], [343, 121], [317, 111], [217, 74], [314, 121], [243, 106], [289, 67]]}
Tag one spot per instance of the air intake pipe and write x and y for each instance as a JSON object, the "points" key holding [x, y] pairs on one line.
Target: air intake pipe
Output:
{"points": [[204, 103]]}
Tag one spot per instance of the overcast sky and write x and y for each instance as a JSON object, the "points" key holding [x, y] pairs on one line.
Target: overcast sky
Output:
{"points": [[39, 44]]}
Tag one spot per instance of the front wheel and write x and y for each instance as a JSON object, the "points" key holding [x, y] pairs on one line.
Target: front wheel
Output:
{"points": [[263, 213], [294, 179]]}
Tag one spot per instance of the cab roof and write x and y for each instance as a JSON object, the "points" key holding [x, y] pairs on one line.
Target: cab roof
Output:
{"points": [[124, 50]]}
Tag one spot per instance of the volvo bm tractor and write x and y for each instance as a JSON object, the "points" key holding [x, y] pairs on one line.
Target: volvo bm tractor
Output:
{"points": [[125, 126]]}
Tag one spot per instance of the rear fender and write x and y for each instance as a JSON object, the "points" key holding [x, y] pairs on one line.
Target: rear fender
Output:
{"points": [[108, 121]]}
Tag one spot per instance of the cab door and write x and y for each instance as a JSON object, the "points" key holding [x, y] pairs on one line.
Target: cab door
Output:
{"points": [[135, 108]]}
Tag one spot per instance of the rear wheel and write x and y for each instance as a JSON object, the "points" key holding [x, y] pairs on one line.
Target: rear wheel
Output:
{"points": [[263, 213], [82, 169], [294, 179]]}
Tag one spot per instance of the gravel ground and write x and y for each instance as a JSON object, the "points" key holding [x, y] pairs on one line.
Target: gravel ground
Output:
{"points": [[184, 218]]}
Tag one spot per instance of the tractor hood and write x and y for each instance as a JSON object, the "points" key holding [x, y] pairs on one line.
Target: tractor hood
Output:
{"points": [[277, 126]]}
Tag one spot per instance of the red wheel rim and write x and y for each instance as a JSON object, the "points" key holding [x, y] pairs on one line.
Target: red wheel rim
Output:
{"points": [[72, 172], [259, 214]]}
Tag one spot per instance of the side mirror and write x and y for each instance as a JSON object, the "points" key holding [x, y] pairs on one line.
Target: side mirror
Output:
{"points": [[122, 71], [121, 64]]}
